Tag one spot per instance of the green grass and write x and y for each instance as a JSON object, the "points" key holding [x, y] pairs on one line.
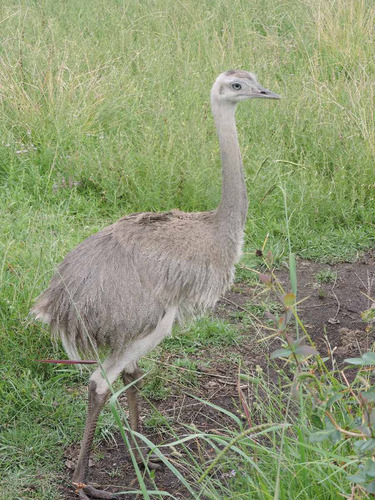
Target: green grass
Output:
{"points": [[203, 332], [326, 276], [156, 387], [155, 422], [104, 110]]}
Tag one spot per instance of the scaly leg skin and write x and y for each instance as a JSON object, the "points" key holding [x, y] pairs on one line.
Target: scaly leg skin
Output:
{"points": [[95, 405], [132, 397]]}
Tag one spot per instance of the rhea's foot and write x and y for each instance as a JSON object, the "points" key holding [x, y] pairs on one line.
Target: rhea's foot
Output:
{"points": [[87, 492], [153, 462]]}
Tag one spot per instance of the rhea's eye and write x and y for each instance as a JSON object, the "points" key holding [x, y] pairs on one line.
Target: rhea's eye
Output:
{"points": [[236, 86]]}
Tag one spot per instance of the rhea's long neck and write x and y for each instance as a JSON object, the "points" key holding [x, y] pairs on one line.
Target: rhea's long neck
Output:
{"points": [[232, 210]]}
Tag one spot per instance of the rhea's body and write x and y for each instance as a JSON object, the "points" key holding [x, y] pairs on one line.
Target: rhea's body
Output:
{"points": [[123, 278]]}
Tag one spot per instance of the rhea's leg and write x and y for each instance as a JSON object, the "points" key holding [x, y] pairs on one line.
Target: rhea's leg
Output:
{"points": [[99, 391], [132, 397], [95, 405]]}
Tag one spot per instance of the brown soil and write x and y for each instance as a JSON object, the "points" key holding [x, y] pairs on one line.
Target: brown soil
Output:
{"points": [[331, 315]]}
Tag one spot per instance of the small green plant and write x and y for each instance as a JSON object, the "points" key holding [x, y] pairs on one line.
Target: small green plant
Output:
{"points": [[115, 472], [259, 309], [155, 388], [155, 421], [294, 348], [322, 294], [326, 276], [368, 317]]}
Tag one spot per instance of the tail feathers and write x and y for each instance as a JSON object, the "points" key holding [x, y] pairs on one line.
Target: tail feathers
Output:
{"points": [[41, 315], [70, 348], [57, 332]]}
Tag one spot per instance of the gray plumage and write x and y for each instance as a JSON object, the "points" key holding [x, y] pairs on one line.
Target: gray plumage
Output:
{"points": [[117, 284], [123, 287]]}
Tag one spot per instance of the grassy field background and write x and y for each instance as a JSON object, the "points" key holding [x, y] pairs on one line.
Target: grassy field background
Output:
{"points": [[104, 110]]}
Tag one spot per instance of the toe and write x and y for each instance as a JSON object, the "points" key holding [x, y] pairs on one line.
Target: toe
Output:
{"points": [[154, 465], [153, 462], [93, 492], [82, 495], [88, 492]]}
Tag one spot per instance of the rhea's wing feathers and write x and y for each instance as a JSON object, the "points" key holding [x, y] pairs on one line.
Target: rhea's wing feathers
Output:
{"points": [[179, 255]]}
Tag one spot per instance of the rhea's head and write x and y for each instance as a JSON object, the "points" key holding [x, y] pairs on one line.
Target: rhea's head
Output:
{"points": [[237, 85]]}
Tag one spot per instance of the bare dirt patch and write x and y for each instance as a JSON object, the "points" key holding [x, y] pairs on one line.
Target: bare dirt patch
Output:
{"points": [[332, 316], [332, 313]]}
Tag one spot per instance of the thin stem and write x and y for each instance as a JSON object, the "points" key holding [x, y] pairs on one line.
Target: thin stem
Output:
{"points": [[343, 431]]}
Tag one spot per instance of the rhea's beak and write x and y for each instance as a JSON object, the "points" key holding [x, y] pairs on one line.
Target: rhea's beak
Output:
{"points": [[266, 94]]}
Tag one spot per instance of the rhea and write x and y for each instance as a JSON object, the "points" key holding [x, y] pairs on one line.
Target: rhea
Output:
{"points": [[122, 288]]}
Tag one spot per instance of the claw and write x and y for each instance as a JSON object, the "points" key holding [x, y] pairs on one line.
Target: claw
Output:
{"points": [[79, 486]]}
